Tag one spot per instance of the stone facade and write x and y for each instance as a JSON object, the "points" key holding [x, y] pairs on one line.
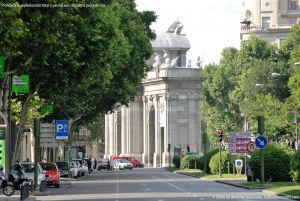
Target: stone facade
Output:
{"points": [[269, 19], [166, 114]]}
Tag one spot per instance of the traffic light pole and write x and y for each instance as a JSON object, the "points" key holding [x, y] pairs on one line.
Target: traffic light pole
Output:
{"points": [[220, 159]]}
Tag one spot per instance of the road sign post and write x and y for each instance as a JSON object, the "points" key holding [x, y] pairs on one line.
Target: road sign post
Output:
{"points": [[261, 142]]}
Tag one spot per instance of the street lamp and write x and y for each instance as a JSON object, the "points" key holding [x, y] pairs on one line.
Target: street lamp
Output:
{"points": [[259, 85], [276, 74]]}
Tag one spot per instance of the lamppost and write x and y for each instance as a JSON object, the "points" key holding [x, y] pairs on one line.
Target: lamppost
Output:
{"points": [[298, 65]]}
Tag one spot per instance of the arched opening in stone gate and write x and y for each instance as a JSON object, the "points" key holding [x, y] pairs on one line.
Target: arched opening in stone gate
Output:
{"points": [[151, 135]]}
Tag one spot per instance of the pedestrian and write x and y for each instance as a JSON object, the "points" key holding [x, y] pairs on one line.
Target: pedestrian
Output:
{"points": [[95, 164], [89, 163], [108, 165]]}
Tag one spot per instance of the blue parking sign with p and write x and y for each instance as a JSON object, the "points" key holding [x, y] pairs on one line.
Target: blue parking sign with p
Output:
{"points": [[62, 129]]}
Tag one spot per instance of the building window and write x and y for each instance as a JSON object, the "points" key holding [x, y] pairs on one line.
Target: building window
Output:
{"points": [[293, 4], [265, 22]]}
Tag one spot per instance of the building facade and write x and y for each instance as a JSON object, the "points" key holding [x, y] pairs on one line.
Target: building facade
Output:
{"points": [[166, 113], [269, 19]]}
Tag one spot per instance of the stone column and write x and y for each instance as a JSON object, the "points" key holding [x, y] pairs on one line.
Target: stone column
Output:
{"points": [[145, 131], [128, 115], [107, 137], [156, 157], [123, 132], [192, 122]]}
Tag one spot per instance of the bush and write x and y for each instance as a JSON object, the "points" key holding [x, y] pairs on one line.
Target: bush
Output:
{"points": [[206, 158], [295, 166], [276, 162], [188, 161], [176, 161], [214, 162]]}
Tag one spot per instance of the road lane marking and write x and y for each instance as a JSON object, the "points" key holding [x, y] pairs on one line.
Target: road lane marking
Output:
{"points": [[117, 188]]}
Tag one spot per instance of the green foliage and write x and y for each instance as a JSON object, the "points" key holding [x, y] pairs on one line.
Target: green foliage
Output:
{"points": [[188, 161], [276, 162], [176, 161], [295, 166], [230, 89], [206, 159], [215, 160]]}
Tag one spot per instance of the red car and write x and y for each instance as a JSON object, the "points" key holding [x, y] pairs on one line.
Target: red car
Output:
{"points": [[132, 160], [52, 173]]}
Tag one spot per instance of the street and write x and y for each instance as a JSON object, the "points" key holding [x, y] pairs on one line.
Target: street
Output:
{"points": [[149, 184]]}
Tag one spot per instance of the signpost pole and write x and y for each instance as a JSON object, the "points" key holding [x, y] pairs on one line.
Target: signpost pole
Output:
{"points": [[220, 161], [37, 133], [260, 121]]}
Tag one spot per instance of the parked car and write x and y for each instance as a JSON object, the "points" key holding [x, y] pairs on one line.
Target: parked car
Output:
{"points": [[102, 164], [52, 173], [29, 169], [83, 168], [133, 160], [63, 167], [122, 164], [75, 169]]}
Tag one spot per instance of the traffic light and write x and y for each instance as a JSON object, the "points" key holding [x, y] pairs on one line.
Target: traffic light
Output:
{"points": [[220, 133], [188, 147], [260, 125]]}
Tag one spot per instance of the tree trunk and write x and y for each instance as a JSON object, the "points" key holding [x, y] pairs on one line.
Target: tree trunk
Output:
{"points": [[20, 127]]}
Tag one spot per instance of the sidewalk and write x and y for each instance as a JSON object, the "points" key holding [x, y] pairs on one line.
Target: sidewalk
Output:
{"points": [[49, 191]]}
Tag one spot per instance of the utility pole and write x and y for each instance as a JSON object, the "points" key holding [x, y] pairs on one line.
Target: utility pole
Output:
{"points": [[220, 133]]}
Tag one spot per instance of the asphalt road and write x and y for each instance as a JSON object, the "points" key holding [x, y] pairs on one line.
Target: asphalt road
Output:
{"points": [[150, 184]]}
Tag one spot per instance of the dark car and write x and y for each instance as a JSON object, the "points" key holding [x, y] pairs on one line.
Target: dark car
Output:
{"points": [[102, 164], [63, 167]]}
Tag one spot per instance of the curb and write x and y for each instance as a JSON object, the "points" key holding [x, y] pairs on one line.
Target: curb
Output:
{"points": [[237, 185], [187, 175]]}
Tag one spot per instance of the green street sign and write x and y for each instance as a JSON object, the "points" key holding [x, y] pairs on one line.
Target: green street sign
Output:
{"points": [[2, 134], [48, 109], [1, 66], [20, 84], [2, 153], [291, 116]]}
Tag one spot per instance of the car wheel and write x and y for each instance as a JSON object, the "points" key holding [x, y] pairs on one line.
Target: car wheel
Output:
{"points": [[56, 185], [8, 190]]}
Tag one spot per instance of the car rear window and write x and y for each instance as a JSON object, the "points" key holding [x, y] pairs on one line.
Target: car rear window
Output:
{"points": [[28, 168], [62, 165], [48, 167]]}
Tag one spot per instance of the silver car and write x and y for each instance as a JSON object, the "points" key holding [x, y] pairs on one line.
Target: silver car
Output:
{"points": [[29, 169], [122, 164]]}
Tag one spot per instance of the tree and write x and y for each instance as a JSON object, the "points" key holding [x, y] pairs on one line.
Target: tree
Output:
{"points": [[83, 60]]}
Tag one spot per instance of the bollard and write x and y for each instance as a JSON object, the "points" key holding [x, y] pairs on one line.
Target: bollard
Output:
{"points": [[24, 191]]}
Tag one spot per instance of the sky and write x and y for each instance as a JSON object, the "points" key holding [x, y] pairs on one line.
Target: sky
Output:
{"points": [[210, 25]]}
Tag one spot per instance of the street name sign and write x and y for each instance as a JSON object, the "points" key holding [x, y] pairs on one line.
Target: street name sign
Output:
{"points": [[20, 84]]}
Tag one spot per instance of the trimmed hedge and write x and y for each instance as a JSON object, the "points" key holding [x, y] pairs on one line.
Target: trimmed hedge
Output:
{"points": [[276, 161], [295, 166], [188, 161], [214, 162], [207, 158]]}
